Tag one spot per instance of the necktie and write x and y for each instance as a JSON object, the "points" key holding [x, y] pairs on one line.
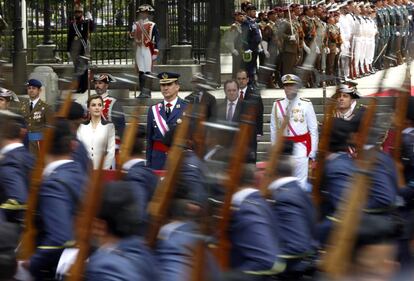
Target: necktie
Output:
{"points": [[241, 96], [31, 106], [168, 109], [230, 112]]}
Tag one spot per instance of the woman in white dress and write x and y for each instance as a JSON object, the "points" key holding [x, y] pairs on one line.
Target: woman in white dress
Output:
{"points": [[98, 135]]}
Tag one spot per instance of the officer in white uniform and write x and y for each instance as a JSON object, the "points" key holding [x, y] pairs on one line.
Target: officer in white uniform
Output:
{"points": [[302, 127]]}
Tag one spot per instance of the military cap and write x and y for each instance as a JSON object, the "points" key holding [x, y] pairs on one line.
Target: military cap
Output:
{"points": [[320, 3], [34, 83], [78, 8], [291, 79], [168, 77], [251, 7], [333, 8], [107, 78], [347, 89], [145, 8], [278, 9], [5, 93], [239, 13], [271, 12], [410, 110]]}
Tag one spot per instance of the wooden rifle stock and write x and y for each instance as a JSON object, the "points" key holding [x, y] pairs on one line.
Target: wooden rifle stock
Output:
{"points": [[164, 193], [231, 184], [401, 109], [90, 208], [199, 134], [28, 241], [276, 150], [322, 151], [128, 142], [342, 239]]}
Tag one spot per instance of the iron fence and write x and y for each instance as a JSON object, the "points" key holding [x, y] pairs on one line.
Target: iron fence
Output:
{"points": [[110, 43]]}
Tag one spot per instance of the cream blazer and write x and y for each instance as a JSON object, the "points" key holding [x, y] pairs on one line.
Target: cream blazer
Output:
{"points": [[98, 142]]}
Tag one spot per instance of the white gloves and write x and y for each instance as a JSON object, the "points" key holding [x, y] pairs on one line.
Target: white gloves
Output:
{"points": [[235, 52], [327, 50], [88, 16], [318, 51], [292, 38], [306, 49], [337, 51], [397, 33]]}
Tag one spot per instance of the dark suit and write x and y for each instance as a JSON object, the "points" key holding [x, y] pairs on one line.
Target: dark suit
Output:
{"points": [[156, 157], [15, 168], [129, 259], [59, 197], [207, 100]]}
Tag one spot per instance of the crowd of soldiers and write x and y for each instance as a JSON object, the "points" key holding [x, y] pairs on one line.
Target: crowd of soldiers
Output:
{"points": [[327, 41], [212, 194]]}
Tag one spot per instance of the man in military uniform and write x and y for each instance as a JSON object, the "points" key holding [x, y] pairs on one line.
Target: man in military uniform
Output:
{"points": [[37, 114], [334, 41], [382, 22], [391, 58], [311, 50], [302, 126], [78, 46], [16, 164], [162, 117], [251, 38], [60, 191], [347, 105], [146, 36], [233, 41], [289, 34]]}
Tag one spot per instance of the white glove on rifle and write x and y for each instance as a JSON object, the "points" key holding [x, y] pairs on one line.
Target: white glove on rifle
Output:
{"points": [[88, 16], [327, 50], [265, 47], [336, 51], [292, 38], [306, 48], [235, 52], [318, 51]]}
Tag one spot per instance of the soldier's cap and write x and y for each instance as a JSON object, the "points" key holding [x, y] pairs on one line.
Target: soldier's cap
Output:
{"points": [[34, 83], [78, 8], [239, 13], [271, 12], [333, 8], [320, 3], [251, 7], [341, 5], [347, 89], [5, 93], [145, 8], [360, 4], [328, 5], [285, 9], [367, 5], [410, 110], [104, 77], [168, 77], [291, 79], [278, 9], [294, 5]]}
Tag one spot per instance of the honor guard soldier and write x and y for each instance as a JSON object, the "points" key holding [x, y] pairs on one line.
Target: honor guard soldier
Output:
{"points": [[289, 52], [16, 164], [295, 219], [112, 111], [251, 38], [9, 101], [59, 195], [347, 105], [146, 36], [37, 114], [233, 41], [302, 125], [78, 45], [334, 43], [162, 117]]}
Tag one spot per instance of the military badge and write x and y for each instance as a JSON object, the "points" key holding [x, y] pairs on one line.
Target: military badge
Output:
{"points": [[37, 115], [178, 106]]}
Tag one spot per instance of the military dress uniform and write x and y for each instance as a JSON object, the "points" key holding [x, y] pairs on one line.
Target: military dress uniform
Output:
{"points": [[158, 124], [233, 42], [251, 38], [289, 52], [380, 42], [296, 219], [334, 43], [302, 128], [16, 164], [36, 119], [59, 196]]}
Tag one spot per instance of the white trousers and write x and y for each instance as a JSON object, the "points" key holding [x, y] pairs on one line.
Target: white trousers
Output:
{"points": [[143, 58]]}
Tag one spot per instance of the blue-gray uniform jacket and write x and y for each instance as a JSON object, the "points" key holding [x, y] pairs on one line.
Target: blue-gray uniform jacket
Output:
{"points": [[59, 195], [15, 167], [144, 182], [156, 153], [127, 260], [253, 236], [340, 170], [80, 155], [175, 252], [295, 220]]}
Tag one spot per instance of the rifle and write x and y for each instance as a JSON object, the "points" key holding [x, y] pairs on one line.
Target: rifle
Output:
{"points": [[401, 109], [231, 183], [27, 244], [277, 149], [159, 205], [90, 207], [199, 134], [336, 260], [128, 141], [322, 151]]}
